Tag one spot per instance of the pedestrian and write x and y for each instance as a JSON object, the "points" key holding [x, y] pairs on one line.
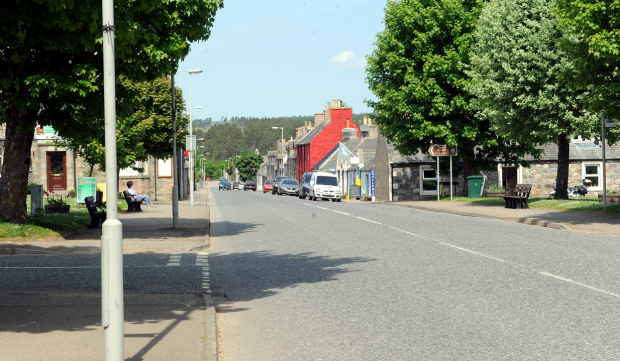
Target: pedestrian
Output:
{"points": [[139, 197]]}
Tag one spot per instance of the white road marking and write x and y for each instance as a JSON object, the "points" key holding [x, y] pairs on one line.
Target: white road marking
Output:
{"points": [[202, 259], [580, 284], [174, 260], [364, 219], [474, 252], [323, 208], [346, 214]]}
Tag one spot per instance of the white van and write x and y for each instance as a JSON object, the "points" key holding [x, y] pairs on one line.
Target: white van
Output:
{"points": [[324, 186]]}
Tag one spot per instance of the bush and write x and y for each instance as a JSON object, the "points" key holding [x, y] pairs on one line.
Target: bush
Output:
{"points": [[72, 193], [29, 187]]}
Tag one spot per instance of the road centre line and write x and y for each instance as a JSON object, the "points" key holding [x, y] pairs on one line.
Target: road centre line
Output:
{"points": [[364, 219], [568, 280], [323, 208], [346, 214], [87, 267], [473, 252]]}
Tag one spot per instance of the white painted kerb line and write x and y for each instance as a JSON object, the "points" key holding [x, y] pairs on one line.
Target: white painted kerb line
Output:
{"points": [[473, 252], [579, 284]]}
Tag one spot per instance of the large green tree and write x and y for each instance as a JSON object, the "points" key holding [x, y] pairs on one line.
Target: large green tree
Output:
{"points": [[515, 66], [594, 44], [51, 65], [144, 130], [248, 164], [417, 71]]}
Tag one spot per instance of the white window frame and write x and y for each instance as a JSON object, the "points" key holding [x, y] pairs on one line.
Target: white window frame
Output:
{"points": [[130, 172], [579, 139], [422, 191], [600, 175]]}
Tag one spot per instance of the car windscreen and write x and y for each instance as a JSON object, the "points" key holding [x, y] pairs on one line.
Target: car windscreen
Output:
{"points": [[307, 178], [327, 181], [269, 182], [290, 182]]}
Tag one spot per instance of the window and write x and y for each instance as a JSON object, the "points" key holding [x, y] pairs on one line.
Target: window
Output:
{"points": [[428, 180], [327, 181], [131, 172], [592, 171]]}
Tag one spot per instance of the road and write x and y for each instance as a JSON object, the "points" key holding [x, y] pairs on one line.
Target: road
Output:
{"points": [[353, 281]]}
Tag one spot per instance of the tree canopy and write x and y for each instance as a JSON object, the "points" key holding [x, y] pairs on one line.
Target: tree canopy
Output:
{"points": [[248, 164], [417, 71], [51, 65], [594, 44]]}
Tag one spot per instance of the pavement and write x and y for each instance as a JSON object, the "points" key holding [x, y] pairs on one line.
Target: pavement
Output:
{"points": [[595, 223], [50, 300]]}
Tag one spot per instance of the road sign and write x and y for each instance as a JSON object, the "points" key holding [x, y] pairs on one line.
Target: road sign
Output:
{"points": [[442, 150], [610, 124]]}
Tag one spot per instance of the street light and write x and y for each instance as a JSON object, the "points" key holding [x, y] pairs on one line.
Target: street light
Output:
{"points": [[191, 161], [282, 139]]}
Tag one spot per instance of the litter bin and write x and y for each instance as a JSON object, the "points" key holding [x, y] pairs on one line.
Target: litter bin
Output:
{"points": [[475, 185]]}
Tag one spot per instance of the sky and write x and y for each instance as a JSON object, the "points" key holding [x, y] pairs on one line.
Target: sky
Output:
{"points": [[283, 58]]}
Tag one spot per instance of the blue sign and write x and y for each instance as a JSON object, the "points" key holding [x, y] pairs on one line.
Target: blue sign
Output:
{"points": [[372, 182]]}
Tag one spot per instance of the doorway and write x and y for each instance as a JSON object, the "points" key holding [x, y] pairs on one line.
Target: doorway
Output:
{"points": [[509, 178], [57, 171]]}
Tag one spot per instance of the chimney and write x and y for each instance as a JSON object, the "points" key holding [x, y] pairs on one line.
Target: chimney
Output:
{"points": [[348, 123], [334, 104], [365, 120], [329, 105], [360, 154], [346, 135], [325, 108]]}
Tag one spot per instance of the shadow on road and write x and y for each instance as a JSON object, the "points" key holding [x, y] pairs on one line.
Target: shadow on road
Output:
{"points": [[254, 275]]}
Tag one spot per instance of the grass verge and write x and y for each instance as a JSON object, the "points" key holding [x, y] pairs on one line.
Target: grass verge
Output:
{"points": [[50, 225], [577, 204]]}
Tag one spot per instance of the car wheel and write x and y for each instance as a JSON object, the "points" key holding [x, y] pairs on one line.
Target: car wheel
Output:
{"points": [[338, 200], [314, 199], [333, 200]]}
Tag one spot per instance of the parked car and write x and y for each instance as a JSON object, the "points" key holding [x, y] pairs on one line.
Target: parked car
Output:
{"points": [[277, 181], [268, 187], [250, 184], [226, 186], [236, 185], [241, 186], [220, 186], [304, 187], [288, 186], [324, 186]]}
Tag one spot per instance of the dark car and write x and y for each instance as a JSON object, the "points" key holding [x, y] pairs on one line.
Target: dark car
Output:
{"points": [[250, 184], [226, 185], [304, 187], [288, 186], [277, 181], [268, 187]]}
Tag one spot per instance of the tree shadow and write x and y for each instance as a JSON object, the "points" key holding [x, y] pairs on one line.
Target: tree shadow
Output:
{"points": [[254, 275]]}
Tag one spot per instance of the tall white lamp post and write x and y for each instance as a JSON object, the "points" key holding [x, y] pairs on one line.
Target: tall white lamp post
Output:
{"points": [[191, 169], [112, 306]]}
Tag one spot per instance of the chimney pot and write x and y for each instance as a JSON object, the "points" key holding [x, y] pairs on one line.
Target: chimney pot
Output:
{"points": [[334, 104]]}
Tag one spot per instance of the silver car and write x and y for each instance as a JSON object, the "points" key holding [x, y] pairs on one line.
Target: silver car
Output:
{"points": [[288, 186]]}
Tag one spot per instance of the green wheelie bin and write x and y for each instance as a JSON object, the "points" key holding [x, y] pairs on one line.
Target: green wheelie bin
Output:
{"points": [[475, 185]]}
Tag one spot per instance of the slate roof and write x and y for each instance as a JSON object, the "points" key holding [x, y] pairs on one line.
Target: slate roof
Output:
{"points": [[369, 162], [311, 134], [330, 161], [580, 151]]}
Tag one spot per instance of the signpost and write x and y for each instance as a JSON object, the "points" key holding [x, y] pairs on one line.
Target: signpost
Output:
{"points": [[86, 187], [442, 151], [605, 125]]}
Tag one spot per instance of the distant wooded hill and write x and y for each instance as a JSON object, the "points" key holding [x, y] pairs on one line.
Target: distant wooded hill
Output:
{"points": [[227, 137]]}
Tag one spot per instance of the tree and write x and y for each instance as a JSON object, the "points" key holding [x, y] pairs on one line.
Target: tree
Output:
{"points": [[417, 71], [594, 44], [51, 67], [248, 164], [143, 131], [515, 64]]}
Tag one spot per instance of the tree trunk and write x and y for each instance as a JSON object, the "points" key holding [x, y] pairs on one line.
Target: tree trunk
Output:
{"points": [[561, 186], [469, 157], [14, 180]]}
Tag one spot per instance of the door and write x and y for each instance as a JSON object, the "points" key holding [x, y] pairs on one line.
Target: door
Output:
{"points": [[57, 171], [509, 178]]}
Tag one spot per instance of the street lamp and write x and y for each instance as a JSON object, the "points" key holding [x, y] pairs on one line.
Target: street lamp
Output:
{"points": [[191, 165], [282, 138]]}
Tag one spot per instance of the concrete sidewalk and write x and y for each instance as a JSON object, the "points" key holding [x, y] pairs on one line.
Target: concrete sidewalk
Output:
{"points": [[60, 326], [604, 224]]}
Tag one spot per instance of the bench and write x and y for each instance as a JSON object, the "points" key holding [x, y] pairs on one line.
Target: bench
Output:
{"points": [[96, 217], [132, 206], [519, 198]]}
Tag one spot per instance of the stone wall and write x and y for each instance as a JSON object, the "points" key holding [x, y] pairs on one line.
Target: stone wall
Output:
{"points": [[406, 184]]}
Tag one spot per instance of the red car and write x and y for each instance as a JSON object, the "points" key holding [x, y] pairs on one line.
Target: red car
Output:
{"points": [[268, 187]]}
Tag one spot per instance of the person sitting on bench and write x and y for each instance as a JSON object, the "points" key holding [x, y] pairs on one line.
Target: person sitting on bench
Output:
{"points": [[139, 197]]}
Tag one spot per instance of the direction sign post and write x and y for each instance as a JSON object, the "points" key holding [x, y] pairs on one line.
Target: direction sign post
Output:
{"points": [[442, 151]]}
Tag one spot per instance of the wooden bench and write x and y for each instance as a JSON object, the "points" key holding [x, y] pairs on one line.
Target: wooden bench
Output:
{"points": [[519, 198], [96, 217], [132, 206]]}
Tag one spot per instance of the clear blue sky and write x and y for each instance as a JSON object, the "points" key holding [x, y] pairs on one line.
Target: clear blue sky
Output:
{"points": [[283, 57]]}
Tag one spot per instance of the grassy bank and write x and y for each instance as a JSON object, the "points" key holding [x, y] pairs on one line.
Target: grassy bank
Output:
{"points": [[577, 204], [50, 225]]}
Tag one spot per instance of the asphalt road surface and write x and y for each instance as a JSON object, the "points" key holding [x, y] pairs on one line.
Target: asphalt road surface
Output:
{"points": [[353, 281]]}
